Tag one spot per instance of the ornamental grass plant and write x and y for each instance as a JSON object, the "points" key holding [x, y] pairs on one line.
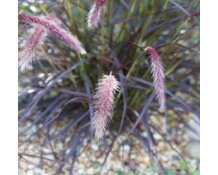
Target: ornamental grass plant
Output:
{"points": [[106, 68]]}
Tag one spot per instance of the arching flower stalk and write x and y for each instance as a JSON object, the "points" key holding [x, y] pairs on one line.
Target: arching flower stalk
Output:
{"points": [[103, 104], [157, 71], [54, 27], [94, 13], [28, 52]]}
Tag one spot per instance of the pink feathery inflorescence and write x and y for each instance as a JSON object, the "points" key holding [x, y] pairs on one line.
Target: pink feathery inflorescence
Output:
{"points": [[103, 105], [158, 75], [94, 13], [55, 29], [27, 53]]}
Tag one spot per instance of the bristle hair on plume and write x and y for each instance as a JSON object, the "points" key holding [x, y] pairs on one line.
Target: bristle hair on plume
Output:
{"points": [[28, 53], [94, 14], [103, 103], [54, 27], [157, 71]]}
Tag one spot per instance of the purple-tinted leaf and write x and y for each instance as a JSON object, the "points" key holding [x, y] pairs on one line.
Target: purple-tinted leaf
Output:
{"points": [[144, 110], [88, 91], [123, 88], [48, 110], [183, 10], [74, 121], [41, 93]]}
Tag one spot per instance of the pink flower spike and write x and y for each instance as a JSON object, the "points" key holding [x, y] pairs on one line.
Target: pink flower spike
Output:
{"points": [[103, 105], [27, 54], [158, 76], [55, 29], [94, 13]]}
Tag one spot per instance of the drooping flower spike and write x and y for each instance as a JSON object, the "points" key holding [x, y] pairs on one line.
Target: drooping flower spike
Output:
{"points": [[27, 54], [94, 13], [55, 29], [157, 71], [103, 104]]}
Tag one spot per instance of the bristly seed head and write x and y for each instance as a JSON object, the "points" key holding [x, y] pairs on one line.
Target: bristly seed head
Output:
{"points": [[54, 27], [94, 13], [157, 71], [27, 54], [103, 104]]}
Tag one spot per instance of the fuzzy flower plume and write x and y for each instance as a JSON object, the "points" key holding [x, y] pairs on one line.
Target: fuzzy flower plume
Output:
{"points": [[54, 27], [94, 13], [103, 105], [158, 76], [27, 53]]}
